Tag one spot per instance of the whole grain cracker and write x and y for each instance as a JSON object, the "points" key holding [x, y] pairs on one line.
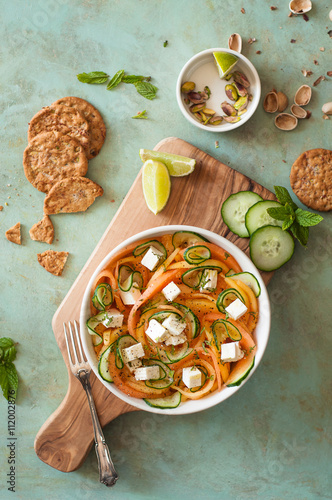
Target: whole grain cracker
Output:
{"points": [[53, 261], [14, 234], [311, 179], [75, 194], [52, 156], [43, 230], [96, 123], [61, 119]]}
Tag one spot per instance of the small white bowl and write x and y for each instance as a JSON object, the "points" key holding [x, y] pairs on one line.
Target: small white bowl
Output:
{"points": [[261, 334], [202, 70]]}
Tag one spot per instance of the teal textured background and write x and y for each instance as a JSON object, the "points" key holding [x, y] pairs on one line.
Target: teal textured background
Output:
{"points": [[273, 439]]}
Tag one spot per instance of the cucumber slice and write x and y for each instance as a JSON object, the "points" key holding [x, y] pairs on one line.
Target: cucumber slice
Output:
{"points": [[227, 297], [221, 328], [234, 209], [92, 323], [125, 272], [204, 373], [161, 315], [103, 296], [230, 272], [195, 324], [164, 381], [237, 378], [257, 215], [122, 343], [167, 402], [197, 254], [141, 249], [248, 279], [270, 248], [186, 238], [193, 277], [103, 364], [175, 354]]}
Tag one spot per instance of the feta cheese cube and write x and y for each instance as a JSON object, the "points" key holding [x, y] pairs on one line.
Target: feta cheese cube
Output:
{"points": [[236, 309], [156, 331], [231, 352], [209, 280], [192, 377], [129, 298], [133, 365], [171, 291], [152, 258], [148, 373], [175, 339], [133, 352], [112, 319], [174, 325]]}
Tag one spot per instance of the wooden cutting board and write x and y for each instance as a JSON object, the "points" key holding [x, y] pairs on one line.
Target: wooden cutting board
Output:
{"points": [[65, 439]]}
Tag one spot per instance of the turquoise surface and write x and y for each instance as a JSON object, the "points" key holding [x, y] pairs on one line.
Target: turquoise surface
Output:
{"points": [[273, 439]]}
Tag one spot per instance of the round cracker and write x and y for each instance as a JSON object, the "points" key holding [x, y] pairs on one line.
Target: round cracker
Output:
{"points": [[93, 117], [63, 119], [52, 156], [311, 179], [75, 194]]}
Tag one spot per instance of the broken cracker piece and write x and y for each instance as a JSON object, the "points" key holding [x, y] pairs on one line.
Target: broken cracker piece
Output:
{"points": [[74, 194], [14, 234], [53, 261], [43, 230]]}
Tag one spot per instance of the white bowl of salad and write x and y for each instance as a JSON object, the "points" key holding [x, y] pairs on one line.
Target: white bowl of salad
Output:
{"points": [[175, 320]]}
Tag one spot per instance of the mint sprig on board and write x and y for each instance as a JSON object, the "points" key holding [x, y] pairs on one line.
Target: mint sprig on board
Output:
{"points": [[95, 77], [141, 115], [294, 218], [8, 373]]}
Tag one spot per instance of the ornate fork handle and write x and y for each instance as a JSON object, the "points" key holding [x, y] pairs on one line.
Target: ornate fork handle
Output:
{"points": [[107, 472]]}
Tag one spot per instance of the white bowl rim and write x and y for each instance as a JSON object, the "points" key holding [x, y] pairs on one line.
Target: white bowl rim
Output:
{"points": [[224, 127], [263, 325]]}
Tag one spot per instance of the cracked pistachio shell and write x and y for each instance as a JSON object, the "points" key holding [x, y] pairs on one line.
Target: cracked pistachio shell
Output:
{"points": [[282, 101], [298, 111], [285, 121], [231, 92], [232, 119], [235, 42], [216, 120], [241, 78], [188, 87], [228, 109], [300, 6], [241, 103], [303, 95], [270, 103], [327, 108]]}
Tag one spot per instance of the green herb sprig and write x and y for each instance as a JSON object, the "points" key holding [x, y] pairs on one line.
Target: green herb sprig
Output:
{"points": [[8, 373], [293, 218]]}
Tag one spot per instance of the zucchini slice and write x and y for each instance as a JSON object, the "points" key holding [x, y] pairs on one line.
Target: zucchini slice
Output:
{"points": [[103, 368], [193, 277], [122, 343], [141, 249], [270, 247], [257, 215], [234, 209], [197, 254], [161, 315], [165, 380], [192, 318], [221, 329], [227, 297], [177, 353], [168, 402], [125, 272], [248, 279], [204, 373], [187, 238], [91, 325], [103, 296]]}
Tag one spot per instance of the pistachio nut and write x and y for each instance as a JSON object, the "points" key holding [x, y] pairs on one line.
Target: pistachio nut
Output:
{"points": [[204, 95], [250, 97], [186, 101], [232, 119], [203, 116], [327, 108], [228, 109], [242, 112], [228, 77], [208, 111], [282, 101], [241, 90], [235, 42], [207, 120], [270, 103], [298, 111], [188, 87], [196, 108], [300, 6], [241, 78], [207, 91], [241, 103], [231, 92], [198, 116], [303, 95], [195, 97], [285, 121], [216, 120]]}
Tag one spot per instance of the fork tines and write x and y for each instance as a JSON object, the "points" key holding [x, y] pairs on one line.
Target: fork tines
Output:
{"points": [[75, 356]]}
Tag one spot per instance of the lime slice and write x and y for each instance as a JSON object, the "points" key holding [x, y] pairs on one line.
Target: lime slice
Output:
{"points": [[178, 166], [156, 185], [225, 62]]}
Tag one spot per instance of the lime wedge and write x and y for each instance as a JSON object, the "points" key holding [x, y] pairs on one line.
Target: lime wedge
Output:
{"points": [[178, 166], [156, 185], [225, 62]]}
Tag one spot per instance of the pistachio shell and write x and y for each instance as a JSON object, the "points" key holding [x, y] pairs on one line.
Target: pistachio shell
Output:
{"points": [[303, 95], [270, 103], [300, 6], [298, 111], [235, 42], [327, 108], [282, 101], [286, 122]]}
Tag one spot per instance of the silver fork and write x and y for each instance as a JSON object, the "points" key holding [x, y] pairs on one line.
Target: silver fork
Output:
{"points": [[81, 369]]}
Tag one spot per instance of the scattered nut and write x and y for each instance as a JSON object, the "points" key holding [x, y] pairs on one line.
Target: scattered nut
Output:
{"points": [[306, 72], [252, 40], [322, 49]]}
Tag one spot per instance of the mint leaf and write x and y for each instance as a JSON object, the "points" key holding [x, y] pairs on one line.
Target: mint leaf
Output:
{"points": [[307, 219], [8, 373], [4, 382], [134, 78], [146, 89], [284, 196], [287, 223], [12, 378], [141, 115], [280, 213], [301, 233], [117, 78], [7, 349], [94, 77]]}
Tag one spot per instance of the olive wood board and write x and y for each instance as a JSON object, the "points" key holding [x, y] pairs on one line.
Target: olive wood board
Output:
{"points": [[65, 439]]}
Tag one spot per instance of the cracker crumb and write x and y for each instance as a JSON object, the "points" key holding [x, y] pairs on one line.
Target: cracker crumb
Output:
{"points": [[322, 49]]}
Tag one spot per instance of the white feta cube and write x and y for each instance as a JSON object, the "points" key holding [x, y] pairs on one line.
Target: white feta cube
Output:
{"points": [[156, 331], [112, 319], [148, 373], [192, 377], [133, 352], [133, 365], [209, 280], [175, 339], [174, 325], [129, 298], [236, 309], [152, 258], [171, 291], [231, 352]]}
